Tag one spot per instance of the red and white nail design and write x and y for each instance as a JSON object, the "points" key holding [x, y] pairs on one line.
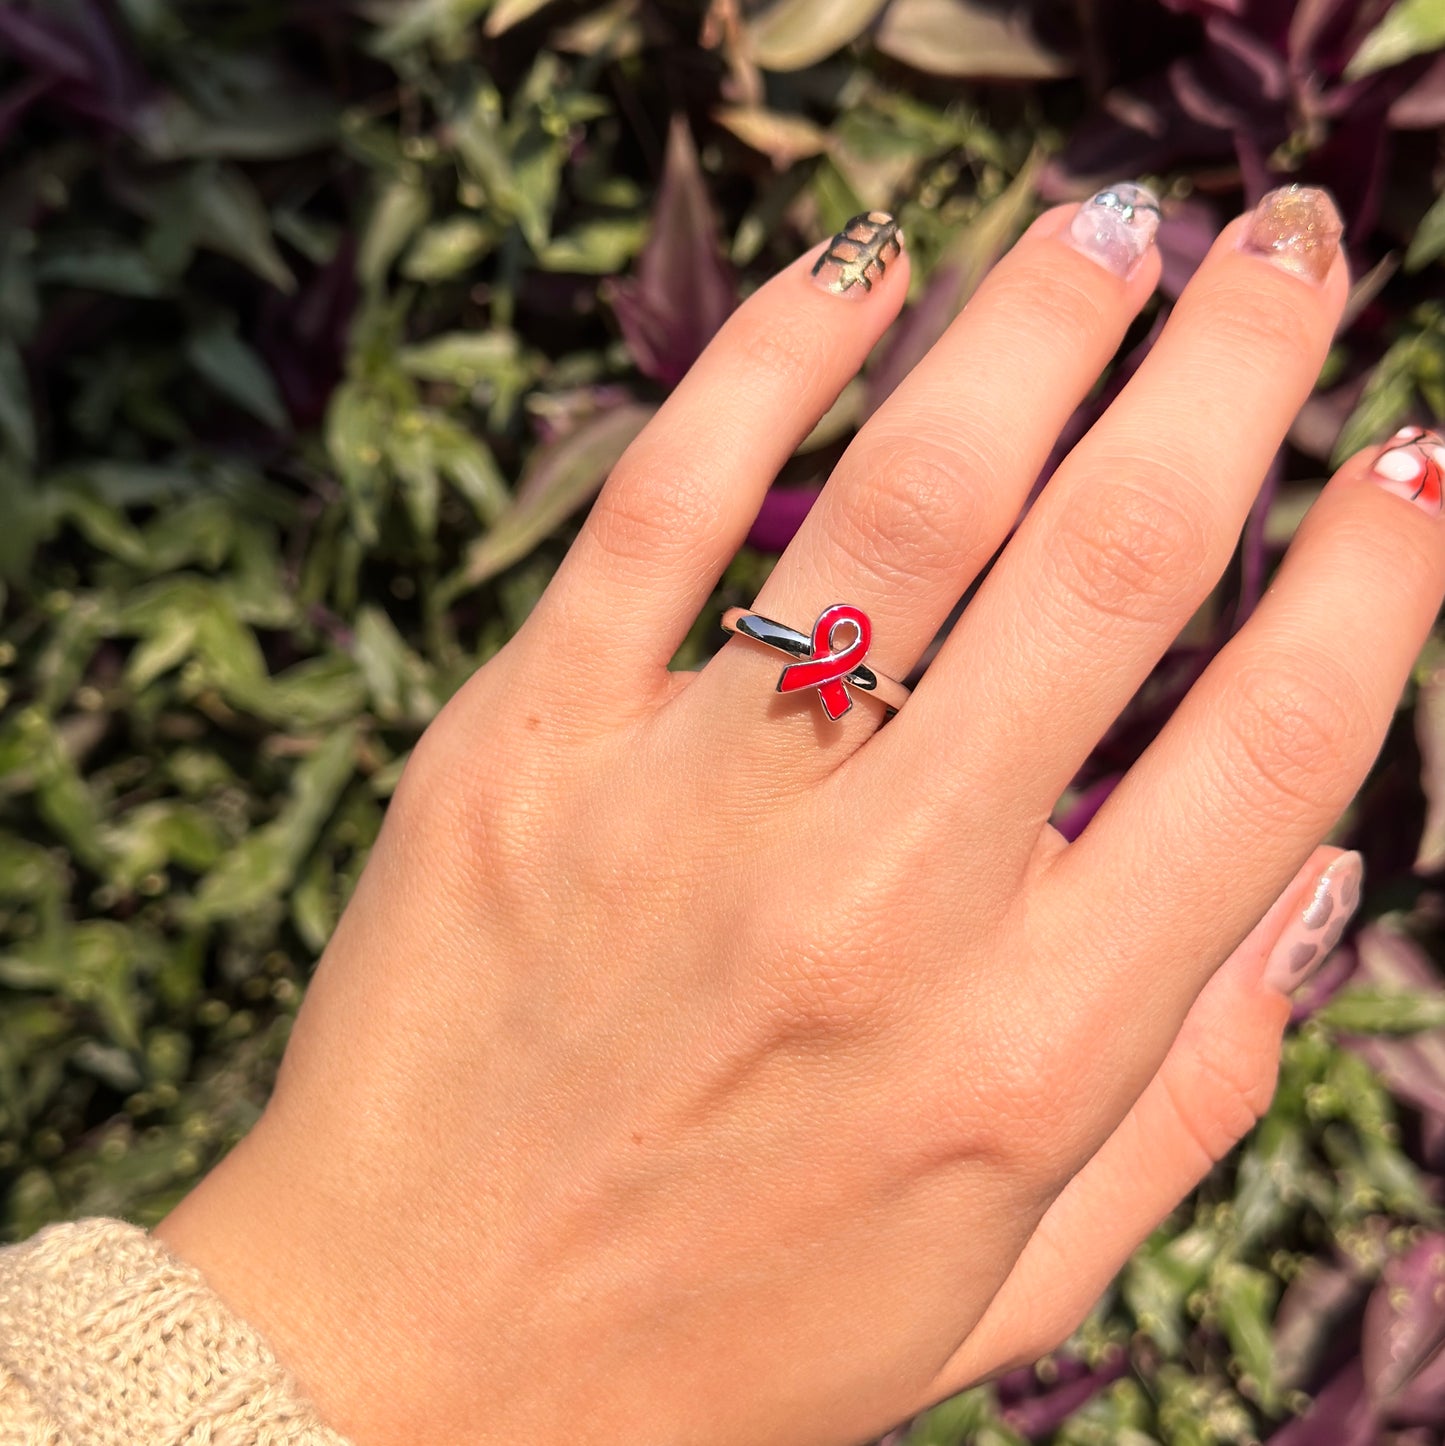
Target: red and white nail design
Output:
{"points": [[1412, 466]]}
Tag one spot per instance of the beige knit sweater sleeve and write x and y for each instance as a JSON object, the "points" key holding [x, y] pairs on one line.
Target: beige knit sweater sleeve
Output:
{"points": [[107, 1339]]}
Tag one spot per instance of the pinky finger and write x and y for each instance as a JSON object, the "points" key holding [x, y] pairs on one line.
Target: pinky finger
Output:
{"points": [[1216, 1081]]}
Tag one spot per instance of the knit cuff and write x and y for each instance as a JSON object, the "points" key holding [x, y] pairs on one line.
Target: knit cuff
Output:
{"points": [[114, 1341]]}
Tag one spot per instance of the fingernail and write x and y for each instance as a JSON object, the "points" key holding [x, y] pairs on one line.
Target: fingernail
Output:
{"points": [[1116, 226], [1412, 466], [1308, 938], [1298, 228], [858, 255]]}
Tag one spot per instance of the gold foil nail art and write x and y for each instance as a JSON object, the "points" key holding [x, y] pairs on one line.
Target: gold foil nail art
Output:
{"points": [[858, 255], [1298, 228]]}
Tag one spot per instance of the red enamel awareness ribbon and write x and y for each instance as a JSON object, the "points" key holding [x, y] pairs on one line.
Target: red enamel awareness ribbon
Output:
{"points": [[826, 669]]}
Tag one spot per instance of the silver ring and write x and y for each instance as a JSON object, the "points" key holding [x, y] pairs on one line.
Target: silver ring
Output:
{"points": [[822, 663]]}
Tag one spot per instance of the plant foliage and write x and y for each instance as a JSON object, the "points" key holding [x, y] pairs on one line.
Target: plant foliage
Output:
{"points": [[320, 324]]}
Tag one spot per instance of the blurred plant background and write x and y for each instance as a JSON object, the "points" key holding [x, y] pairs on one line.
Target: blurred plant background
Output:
{"points": [[321, 322]]}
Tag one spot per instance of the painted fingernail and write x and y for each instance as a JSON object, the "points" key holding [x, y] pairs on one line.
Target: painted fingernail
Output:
{"points": [[1116, 226], [1308, 938], [858, 255], [1298, 228], [1412, 466]]}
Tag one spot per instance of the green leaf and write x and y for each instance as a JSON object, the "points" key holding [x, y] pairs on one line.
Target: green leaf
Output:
{"points": [[100, 264], [414, 22], [467, 463], [231, 219], [263, 865], [463, 357], [965, 39], [793, 34], [1384, 403], [1410, 27], [412, 456], [560, 478], [22, 513], [397, 679], [448, 248], [1362, 1010], [1244, 1303], [1428, 242], [234, 369], [785, 139], [17, 425], [507, 13], [357, 427], [401, 210], [274, 125], [596, 248]]}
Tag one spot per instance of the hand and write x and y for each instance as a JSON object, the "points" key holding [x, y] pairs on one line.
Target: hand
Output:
{"points": [[690, 1068]]}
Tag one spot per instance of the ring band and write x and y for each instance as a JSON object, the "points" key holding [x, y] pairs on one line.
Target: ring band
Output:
{"points": [[823, 665]]}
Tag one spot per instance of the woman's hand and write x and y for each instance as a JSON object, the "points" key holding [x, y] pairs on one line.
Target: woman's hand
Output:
{"points": [[690, 1068]]}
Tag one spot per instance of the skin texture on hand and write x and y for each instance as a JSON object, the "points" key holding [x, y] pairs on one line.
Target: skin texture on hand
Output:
{"points": [[709, 1069]]}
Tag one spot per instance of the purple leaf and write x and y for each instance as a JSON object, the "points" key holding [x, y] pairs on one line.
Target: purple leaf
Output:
{"points": [[44, 47], [780, 516], [1340, 1416], [1186, 233], [968, 258], [1422, 105], [1412, 1066], [1075, 819], [1141, 131], [18, 100], [684, 289], [1320, 32], [1317, 991], [1038, 1416], [1316, 1306], [1422, 1398], [1404, 1322]]}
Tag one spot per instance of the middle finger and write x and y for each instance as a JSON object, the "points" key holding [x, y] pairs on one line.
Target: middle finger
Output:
{"points": [[1141, 519]]}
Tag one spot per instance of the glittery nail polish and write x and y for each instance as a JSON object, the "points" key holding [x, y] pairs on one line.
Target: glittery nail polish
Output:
{"points": [[1412, 466], [1298, 228], [1116, 226], [1310, 935], [858, 255]]}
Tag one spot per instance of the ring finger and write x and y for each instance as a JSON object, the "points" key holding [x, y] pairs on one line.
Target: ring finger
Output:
{"points": [[930, 486]]}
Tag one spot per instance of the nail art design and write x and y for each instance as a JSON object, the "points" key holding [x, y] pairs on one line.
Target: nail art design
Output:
{"points": [[858, 255], [1116, 226], [1298, 228], [1412, 466], [1307, 940]]}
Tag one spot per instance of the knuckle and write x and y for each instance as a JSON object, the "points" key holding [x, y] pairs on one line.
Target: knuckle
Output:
{"points": [[780, 359], [1003, 1092], [1049, 301], [656, 507], [1215, 1097], [1128, 553], [914, 510], [1261, 323], [1298, 726]]}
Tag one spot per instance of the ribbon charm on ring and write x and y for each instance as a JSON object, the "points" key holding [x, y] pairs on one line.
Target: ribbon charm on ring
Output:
{"points": [[833, 666], [829, 665]]}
